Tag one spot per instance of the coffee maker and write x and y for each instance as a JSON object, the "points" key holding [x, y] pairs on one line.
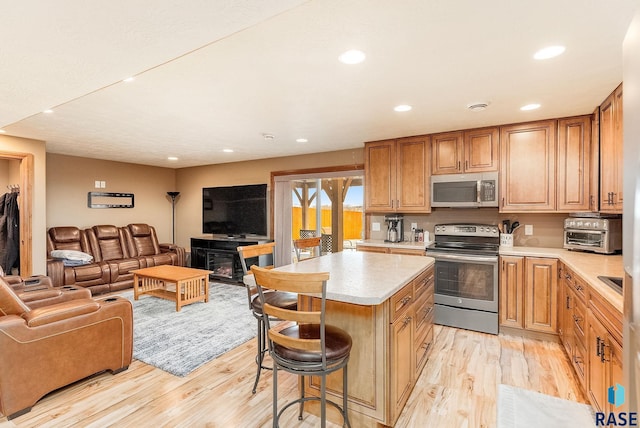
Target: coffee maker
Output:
{"points": [[395, 230]]}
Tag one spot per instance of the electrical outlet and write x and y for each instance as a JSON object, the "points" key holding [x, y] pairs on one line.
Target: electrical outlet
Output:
{"points": [[375, 227], [528, 229], [414, 225]]}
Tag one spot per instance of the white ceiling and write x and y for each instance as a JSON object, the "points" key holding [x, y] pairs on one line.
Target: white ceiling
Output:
{"points": [[214, 75]]}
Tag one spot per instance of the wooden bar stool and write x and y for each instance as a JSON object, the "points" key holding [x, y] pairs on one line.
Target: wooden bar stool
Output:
{"points": [[311, 244], [307, 348], [262, 254]]}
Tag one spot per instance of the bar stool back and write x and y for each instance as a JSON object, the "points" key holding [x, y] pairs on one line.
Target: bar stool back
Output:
{"points": [[309, 347], [311, 244], [262, 253]]}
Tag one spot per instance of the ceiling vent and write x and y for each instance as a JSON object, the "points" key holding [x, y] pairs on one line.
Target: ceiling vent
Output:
{"points": [[477, 106]]}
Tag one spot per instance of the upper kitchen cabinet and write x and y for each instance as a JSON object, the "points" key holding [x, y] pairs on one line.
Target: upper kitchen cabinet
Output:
{"points": [[528, 167], [475, 150], [611, 159], [397, 175], [574, 164]]}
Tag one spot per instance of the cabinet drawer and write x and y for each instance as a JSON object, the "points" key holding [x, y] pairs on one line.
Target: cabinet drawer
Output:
{"points": [[578, 360], [580, 288], [423, 345], [423, 282], [579, 322], [401, 301], [424, 313]]}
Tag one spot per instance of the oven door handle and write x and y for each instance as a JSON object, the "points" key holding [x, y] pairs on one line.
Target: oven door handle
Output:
{"points": [[593, 232], [463, 258]]}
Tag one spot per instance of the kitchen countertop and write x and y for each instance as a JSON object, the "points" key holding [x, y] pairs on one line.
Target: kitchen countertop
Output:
{"points": [[588, 265], [363, 278], [405, 245]]}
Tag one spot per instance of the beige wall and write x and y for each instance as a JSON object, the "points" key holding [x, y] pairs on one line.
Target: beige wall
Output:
{"points": [[10, 144], [190, 182], [69, 179]]}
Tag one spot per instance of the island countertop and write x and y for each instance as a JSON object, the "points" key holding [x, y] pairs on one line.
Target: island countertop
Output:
{"points": [[363, 278]]}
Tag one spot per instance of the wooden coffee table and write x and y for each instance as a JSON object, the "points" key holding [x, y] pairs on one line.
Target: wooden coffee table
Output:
{"points": [[191, 285]]}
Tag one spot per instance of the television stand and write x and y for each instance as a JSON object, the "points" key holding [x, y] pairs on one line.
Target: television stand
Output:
{"points": [[219, 254]]}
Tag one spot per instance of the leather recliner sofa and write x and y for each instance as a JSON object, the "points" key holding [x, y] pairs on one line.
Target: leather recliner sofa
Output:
{"points": [[116, 252], [49, 347], [38, 291]]}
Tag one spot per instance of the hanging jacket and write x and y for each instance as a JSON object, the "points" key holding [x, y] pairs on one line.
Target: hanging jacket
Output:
{"points": [[9, 232]]}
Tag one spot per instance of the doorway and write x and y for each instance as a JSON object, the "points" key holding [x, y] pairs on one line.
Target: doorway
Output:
{"points": [[25, 203], [321, 203]]}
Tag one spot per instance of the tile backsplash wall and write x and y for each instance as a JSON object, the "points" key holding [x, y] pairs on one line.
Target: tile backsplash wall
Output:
{"points": [[547, 228]]}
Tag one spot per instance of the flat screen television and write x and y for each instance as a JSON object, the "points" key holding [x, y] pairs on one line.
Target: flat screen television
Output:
{"points": [[235, 210]]}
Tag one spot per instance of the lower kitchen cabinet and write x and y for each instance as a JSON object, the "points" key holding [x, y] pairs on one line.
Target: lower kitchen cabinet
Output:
{"points": [[605, 365], [572, 322], [604, 337], [528, 293], [411, 336], [541, 304], [511, 291], [590, 330]]}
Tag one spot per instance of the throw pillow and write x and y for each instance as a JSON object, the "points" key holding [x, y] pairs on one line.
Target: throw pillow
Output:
{"points": [[72, 255]]}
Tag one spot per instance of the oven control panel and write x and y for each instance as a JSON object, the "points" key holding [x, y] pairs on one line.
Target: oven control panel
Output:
{"points": [[487, 230]]}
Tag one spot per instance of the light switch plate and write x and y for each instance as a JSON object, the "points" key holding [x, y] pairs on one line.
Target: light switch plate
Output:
{"points": [[97, 184], [375, 227], [528, 229], [103, 184]]}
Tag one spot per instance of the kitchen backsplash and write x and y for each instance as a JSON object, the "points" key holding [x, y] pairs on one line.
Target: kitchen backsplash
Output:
{"points": [[548, 229]]}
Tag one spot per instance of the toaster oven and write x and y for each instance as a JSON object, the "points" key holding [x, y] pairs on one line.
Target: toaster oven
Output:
{"points": [[598, 235]]}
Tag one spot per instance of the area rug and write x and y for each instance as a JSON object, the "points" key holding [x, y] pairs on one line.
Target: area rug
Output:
{"points": [[180, 342], [521, 408]]}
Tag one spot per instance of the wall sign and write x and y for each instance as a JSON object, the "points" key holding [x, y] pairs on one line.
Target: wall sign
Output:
{"points": [[109, 200]]}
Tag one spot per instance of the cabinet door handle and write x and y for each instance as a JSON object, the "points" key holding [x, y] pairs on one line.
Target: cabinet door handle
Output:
{"points": [[567, 305], [598, 350], [466, 164], [458, 165], [613, 198]]}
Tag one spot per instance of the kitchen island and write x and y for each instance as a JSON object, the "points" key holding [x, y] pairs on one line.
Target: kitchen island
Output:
{"points": [[385, 302]]}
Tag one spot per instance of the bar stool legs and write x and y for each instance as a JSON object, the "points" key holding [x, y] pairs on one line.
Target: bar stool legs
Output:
{"points": [[262, 350]]}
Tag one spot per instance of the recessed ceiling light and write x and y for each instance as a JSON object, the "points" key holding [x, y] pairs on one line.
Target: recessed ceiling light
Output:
{"points": [[530, 107], [402, 107], [477, 106], [129, 79], [2, 131], [302, 140], [269, 137], [227, 150], [549, 52], [48, 111], [172, 158], [352, 56]]}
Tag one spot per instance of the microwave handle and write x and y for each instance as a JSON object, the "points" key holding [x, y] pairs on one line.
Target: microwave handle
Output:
{"points": [[479, 191]]}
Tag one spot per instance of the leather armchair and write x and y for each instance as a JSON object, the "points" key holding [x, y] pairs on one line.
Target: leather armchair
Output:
{"points": [[46, 348], [37, 291]]}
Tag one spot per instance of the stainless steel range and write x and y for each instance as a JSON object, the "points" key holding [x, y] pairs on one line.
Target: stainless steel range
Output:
{"points": [[466, 276]]}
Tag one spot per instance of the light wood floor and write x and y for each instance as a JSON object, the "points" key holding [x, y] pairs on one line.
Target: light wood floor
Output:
{"points": [[457, 388]]}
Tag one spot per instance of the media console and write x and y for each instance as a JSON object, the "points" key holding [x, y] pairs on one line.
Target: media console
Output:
{"points": [[219, 254]]}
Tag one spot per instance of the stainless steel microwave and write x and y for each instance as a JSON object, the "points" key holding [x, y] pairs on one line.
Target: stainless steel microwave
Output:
{"points": [[465, 190]]}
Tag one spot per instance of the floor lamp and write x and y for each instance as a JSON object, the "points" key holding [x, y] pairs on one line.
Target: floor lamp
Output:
{"points": [[173, 196]]}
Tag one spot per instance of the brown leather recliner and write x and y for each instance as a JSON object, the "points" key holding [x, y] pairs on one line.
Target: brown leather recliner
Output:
{"points": [[47, 348], [37, 291], [108, 245], [94, 276], [144, 244]]}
